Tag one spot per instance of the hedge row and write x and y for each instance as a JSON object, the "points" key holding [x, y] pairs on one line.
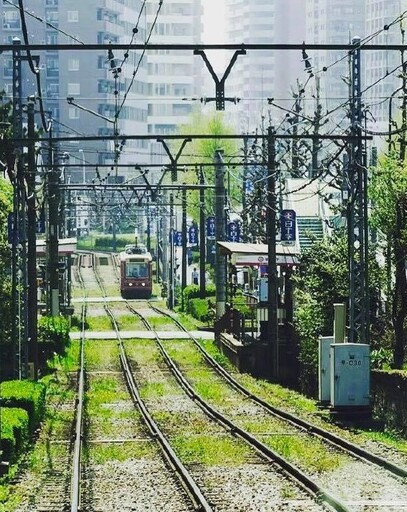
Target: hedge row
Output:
{"points": [[22, 407], [200, 308], [22, 402]]}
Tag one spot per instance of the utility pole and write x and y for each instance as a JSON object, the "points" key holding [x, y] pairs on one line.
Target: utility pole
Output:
{"points": [[202, 238], [272, 321], [316, 125], [31, 248], [184, 245], [19, 241], [171, 284], [357, 226], [52, 238], [220, 260], [174, 177], [244, 192]]}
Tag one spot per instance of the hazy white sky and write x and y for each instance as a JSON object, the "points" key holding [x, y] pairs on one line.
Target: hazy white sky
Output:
{"points": [[214, 16], [214, 30]]}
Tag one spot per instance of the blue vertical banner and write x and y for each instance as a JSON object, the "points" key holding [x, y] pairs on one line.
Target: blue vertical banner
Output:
{"points": [[193, 235], [178, 238], [233, 232], [210, 228], [288, 225]]}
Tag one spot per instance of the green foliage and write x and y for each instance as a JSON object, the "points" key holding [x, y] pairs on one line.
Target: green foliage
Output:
{"points": [[199, 308], [387, 188], [14, 432], [105, 242], [5, 265], [381, 358], [53, 334], [321, 282], [388, 192], [203, 151], [193, 291], [27, 395]]}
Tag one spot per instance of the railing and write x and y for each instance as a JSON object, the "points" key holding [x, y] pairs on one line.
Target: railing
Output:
{"points": [[234, 322]]}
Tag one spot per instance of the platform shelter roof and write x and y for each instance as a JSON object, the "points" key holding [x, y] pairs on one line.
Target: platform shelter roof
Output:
{"points": [[66, 247], [257, 254]]}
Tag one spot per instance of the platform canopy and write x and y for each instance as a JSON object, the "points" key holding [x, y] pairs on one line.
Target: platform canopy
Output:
{"points": [[66, 246], [257, 254]]}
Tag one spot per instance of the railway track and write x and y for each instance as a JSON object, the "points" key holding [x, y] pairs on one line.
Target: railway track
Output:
{"points": [[189, 496], [376, 468], [335, 440], [268, 473], [279, 482]]}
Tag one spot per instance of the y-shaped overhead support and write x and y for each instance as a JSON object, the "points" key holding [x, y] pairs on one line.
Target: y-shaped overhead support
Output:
{"points": [[220, 84], [173, 160], [153, 190]]}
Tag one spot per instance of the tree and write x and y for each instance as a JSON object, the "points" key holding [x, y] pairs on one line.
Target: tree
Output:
{"points": [[6, 201], [321, 281], [202, 151], [388, 191]]}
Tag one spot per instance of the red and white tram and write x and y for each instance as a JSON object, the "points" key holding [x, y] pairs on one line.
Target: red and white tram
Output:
{"points": [[136, 273]]}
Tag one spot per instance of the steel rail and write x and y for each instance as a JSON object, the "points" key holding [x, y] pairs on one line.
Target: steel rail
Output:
{"points": [[76, 461], [306, 483], [332, 438], [184, 477]]}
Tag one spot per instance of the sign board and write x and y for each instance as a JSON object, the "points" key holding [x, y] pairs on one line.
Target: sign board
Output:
{"points": [[210, 228], [178, 238], [193, 235], [233, 232], [288, 225]]}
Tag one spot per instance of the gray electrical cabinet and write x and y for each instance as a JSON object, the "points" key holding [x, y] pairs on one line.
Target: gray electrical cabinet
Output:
{"points": [[324, 368], [350, 375]]}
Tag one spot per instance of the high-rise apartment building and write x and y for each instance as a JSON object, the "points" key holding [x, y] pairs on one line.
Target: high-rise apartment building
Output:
{"points": [[260, 75], [384, 68], [174, 77], [280, 74], [120, 92]]}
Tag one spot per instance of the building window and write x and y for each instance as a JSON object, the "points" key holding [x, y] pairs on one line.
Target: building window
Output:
{"points": [[8, 69], [74, 89], [72, 16], [73, 64], [11, 20], [73, 113], [53, 90], [52, 67], [52, 17], [52, 38]]}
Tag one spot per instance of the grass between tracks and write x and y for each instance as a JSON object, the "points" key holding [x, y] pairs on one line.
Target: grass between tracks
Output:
{"points": [[194, 438], [109, 408], [285, 398]]}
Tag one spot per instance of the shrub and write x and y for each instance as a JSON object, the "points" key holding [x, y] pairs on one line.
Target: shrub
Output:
{"points": [[53, 334], [27, 395], [14, 431], [201, 309]]}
